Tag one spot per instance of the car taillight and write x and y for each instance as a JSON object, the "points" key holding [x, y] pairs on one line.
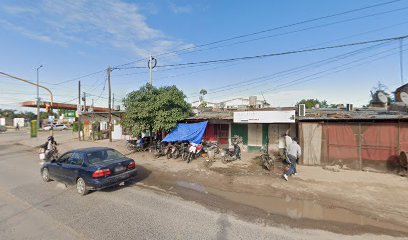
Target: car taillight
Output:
{"points": [[131, 165], [101, 173]]}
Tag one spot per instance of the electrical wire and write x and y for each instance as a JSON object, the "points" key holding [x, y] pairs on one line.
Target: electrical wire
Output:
{"points": [[245, 35], [289, 52], [287, 71], [278, 28], [328, 71], [298, 30]]}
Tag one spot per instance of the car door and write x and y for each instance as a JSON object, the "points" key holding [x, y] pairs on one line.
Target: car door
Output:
{"points": [[55, 168], [71, 168]]}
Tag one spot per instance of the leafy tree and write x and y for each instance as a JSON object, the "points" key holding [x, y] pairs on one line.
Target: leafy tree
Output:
{"points": [[10, 113], [311, 103], [154, 109]]}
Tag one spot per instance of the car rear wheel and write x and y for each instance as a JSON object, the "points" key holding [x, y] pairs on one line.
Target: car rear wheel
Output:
{"points": [[81, 187], [45, 175]]}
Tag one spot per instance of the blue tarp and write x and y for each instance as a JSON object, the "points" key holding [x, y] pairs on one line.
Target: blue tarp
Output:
{"points": [[192, 132]]}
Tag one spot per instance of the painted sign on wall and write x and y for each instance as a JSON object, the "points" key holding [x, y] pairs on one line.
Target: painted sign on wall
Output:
{"points": [[265, 117]]}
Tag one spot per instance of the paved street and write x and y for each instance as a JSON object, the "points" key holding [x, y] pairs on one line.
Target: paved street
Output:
{"points": [[33, 209]]}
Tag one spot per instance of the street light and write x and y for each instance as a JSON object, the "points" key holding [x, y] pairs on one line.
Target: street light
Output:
{"points": [[38, 99]]}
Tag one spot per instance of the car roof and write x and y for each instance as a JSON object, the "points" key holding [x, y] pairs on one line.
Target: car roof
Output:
{"points": [[89, 150]]}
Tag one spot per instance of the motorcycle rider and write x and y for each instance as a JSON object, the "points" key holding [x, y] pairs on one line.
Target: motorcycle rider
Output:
{"points": [[50, 146]]}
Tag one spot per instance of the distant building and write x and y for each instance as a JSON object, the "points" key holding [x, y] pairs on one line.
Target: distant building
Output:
{"points": [[236, 103]]}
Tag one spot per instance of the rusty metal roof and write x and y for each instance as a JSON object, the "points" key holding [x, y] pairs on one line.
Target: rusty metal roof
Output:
{"points": [[358, 114], [224, 115], [56, 105]]}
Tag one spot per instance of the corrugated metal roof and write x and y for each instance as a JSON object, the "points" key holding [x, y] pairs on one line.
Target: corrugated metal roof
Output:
{"points": [[358, 114], [225, 115]]}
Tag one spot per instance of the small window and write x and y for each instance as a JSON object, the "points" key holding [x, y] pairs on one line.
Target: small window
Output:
{"points": [[102, 156], [76, 159], [65, 158]]}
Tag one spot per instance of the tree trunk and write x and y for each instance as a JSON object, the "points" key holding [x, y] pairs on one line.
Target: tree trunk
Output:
{"points": [[151, 136]]}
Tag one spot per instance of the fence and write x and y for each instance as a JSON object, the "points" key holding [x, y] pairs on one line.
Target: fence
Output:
{"points": [[356, 145]]}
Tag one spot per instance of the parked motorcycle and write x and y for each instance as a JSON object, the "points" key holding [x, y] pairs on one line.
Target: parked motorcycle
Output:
{"points": [[175, 150], [266, 159], [184, 150], [233, 152], [168, 151], [211, 148], [137, 146], [159, 150], [194, 151]]}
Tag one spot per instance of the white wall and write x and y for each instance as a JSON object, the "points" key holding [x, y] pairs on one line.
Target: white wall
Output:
{"points": [[2, 122], [20, 122], [117, 132]]}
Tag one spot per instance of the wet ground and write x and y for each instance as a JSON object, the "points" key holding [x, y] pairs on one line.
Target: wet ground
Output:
{"points": [[346, 202], [272, 210]]}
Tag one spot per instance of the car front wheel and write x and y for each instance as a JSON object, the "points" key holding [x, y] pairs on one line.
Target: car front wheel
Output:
{"points": [[81, 187]]}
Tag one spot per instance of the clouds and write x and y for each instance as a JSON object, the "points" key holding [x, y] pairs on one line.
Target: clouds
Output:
{"points": [[94, 23], [180, 9]]}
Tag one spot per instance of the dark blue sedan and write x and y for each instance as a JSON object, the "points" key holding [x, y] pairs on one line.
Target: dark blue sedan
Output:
{"points": [[90, 169]]}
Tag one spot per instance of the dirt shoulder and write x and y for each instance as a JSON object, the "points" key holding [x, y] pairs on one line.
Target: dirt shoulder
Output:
{"points": [[361, 201]]}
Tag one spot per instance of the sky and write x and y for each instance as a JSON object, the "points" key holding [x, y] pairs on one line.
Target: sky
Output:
{"points": [[77, 39]]}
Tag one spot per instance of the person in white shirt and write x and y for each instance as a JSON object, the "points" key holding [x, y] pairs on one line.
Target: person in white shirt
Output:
{"points": [[293, 153]]}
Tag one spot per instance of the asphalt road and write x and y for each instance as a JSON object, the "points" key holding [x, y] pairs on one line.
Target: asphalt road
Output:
{"points": [[33, 209]]}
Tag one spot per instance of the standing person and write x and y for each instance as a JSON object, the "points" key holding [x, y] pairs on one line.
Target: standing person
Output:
{"points": [[294, 152], [288, 142], [17, 127]]}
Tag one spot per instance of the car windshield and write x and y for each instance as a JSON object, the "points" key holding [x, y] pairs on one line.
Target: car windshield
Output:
{"points": [[102, 156]]}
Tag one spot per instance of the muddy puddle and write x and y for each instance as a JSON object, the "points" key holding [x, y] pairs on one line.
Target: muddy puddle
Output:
{"points": [[295, 208]]}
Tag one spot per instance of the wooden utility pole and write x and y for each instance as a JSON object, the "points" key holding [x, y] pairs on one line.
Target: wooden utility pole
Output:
{"points": [[79, 110], [110, 106], [150, 70]]}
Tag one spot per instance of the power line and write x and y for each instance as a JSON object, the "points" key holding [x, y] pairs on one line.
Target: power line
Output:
{"points": [[292, 83], [244, 35], [289, 72], [287, 53], [282, 27], [329, 71], [281, 34], [297, 30]]}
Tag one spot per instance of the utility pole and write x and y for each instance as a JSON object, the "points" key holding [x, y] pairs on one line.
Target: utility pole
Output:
{"points": [[109, 104], [401, 61], [151, 64], [38, 99], [150, 69], [84, 99], [113, 101], [78, 110]]}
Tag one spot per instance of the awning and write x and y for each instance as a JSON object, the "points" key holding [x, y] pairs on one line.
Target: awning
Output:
{"points": [[192, 132]]}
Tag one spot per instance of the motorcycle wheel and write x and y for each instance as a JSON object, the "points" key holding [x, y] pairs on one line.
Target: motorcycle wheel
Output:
{"points": [[190, 157], [168, 155], [266, 163], [184, 156], [130, 147], [224, 160], [176, 154]]}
